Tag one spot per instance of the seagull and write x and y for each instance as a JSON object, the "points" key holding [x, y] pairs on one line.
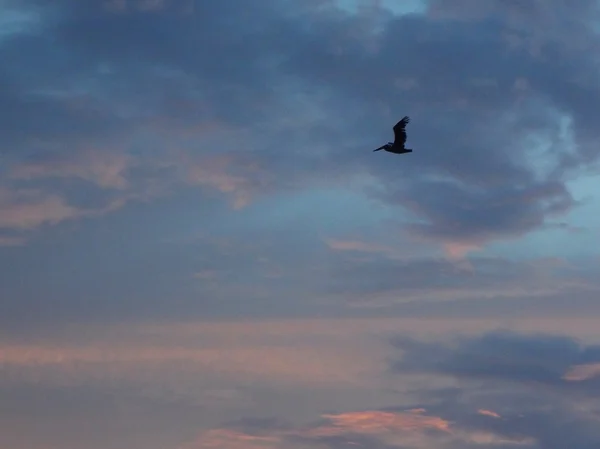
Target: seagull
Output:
{"points": [[397, 146]]}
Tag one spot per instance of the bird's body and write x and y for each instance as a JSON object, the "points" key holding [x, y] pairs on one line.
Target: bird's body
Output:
{"points": [[397, 146]]}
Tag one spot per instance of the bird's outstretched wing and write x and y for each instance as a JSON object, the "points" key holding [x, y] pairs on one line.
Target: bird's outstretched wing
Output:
{"points": [[400, 131]]}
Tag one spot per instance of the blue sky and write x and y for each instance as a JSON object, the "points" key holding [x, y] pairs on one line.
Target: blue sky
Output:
{"points": [[199, 249]]}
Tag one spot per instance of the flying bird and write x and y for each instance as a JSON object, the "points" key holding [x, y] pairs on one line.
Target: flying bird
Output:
{"points": [[397, 146]]}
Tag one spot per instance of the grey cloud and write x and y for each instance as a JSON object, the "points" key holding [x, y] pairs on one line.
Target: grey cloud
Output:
{"points": [[517, 376], [582, 302], [478, 141], [150, 55], [249, 268], [468, 214], [479, 285], [474, 98], [541, 422], [35, 121], [503, 356]]}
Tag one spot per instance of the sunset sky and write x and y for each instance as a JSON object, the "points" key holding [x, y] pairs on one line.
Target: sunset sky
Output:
{"points": [[199, 249]]}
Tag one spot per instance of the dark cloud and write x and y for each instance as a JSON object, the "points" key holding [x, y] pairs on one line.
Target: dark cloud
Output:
{"points": [[210, 59], [496, 413], [472, 121], [582, 301], [468, 214], [475, 89], [476, 286], [518, 377], [504, 356], [33, 121], [539, 423]]}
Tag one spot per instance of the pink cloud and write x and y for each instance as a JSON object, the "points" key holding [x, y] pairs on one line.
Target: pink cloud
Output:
{"points": [[28, 209], [357, 245], [369, 422], [458, 250], [230, 355], [488, 413], [410, 429], [583, 372], [226, 174], [107, 169], [376, 422], [231, 439]]}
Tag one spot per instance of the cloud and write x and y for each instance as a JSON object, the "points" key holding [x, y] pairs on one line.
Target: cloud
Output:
{"points": [[503, 211], [488, 413], [356, 245], [279, 365], [378, 421], [383, 280], [264, 273], [530, 381], [296, 97], [551, 360], [167, 360], [11, 240], [367, 428], [331, 430], [256, 396], [28, 209], [582, 372], [151, 122], [530, 417], [103, 168], [309, 353], [224, 438], [227, 174]]}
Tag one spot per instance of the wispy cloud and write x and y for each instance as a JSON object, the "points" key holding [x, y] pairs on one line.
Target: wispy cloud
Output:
{"points": [[410, 429], [357, 245], [582, 372], [174, 357], [500, 357], [27, 209], [488, 413], [104, 168]]}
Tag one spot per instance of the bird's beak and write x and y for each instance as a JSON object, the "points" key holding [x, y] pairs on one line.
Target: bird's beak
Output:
{"points": [[380, 148]]}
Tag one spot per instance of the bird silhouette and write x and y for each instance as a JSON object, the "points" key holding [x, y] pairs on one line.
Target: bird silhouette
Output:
{"points": [[397, 147]]}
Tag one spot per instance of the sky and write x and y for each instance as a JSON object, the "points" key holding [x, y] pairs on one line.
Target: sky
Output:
{"points": [[199, 249]]}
